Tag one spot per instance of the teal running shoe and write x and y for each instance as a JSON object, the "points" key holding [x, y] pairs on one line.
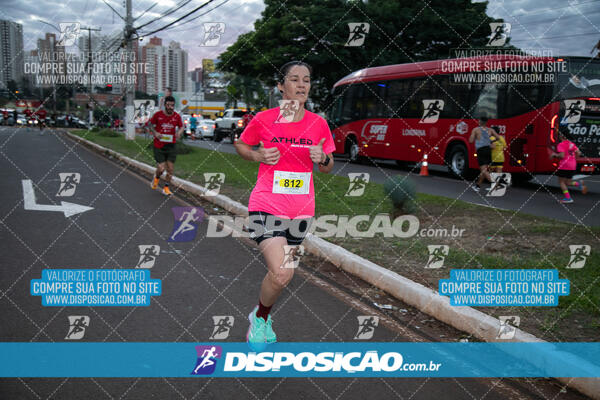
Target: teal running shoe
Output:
{"points": [[256, 331], [270, 336]]}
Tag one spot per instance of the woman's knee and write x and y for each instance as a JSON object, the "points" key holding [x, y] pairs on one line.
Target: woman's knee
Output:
{"points": [[282, 278]]}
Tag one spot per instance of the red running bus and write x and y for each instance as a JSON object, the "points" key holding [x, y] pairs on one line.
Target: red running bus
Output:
{"points": [[402, 112]]}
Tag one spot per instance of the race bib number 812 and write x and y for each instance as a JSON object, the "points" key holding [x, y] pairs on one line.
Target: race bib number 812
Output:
{"points": [[285, 182]]}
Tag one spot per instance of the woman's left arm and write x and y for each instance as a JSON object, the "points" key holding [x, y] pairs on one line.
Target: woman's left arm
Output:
{"points": [[326, 168]]}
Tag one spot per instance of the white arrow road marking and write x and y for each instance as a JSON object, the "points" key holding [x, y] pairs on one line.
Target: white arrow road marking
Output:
{"points": [[65, 207]]}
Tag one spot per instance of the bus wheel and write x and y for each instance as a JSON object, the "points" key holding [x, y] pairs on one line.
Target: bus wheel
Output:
{"points": [[352, 150], [457, 161]]}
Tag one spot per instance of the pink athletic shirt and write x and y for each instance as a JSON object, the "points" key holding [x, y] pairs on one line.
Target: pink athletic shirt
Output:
{"points": [[293, 140], [568, 162]]}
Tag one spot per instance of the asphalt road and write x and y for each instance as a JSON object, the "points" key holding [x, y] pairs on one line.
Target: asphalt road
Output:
{"points": [[539, 197], [201, 278]]}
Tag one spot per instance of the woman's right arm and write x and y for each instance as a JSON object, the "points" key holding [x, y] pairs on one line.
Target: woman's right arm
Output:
{"points": [[245, 151], [263, 155]]}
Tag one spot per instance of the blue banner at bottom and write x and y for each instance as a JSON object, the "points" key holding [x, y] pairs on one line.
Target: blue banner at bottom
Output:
{"points": [[323, 359]]}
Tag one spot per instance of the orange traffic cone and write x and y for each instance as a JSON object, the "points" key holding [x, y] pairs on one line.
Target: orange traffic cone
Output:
{"points": [[424, 169]]}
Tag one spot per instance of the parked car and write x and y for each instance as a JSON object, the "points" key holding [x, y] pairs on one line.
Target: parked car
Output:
{"points": [[7, 117], [79, 123], [186, 124], [229, 124], [21, 119], [9, 121], [205, 129]]}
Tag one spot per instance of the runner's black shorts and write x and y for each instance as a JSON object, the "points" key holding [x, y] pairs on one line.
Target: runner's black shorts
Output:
{"points": [[497, 164], [166, 153], [484, 155], [263, 225], [565, 173]]}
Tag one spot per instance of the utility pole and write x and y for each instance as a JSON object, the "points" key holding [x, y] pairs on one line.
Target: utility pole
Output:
{"points": [[129, 125], [89, 63]]}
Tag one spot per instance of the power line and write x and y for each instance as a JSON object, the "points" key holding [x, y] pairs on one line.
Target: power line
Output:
{"points": [[115, 11], [195, 18], [145, 11], [166, 13], [179, 19]]}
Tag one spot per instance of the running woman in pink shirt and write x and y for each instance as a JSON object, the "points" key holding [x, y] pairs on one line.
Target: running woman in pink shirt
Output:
{"points": [[567, 152], [289, 140]]}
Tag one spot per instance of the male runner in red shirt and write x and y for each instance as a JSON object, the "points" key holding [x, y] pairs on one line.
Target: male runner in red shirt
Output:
{"points": [[40, 114], [164, 126], [27, 113]]}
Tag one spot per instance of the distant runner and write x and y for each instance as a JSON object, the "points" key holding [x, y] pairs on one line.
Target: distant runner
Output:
{"points": [[164, 126], [567, 152], [481, 136], [28, 113], [282, 203], [193, 123], [498, 148], [40, 115]]}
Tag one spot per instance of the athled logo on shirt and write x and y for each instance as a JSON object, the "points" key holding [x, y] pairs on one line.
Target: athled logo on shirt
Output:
{"points": [[294, 142]]}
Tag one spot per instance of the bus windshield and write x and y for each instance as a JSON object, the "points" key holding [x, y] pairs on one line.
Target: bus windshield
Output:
{"points": [[581, 80]]}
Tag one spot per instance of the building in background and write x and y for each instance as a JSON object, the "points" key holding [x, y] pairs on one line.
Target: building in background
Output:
{"points": [[49, 52], [177, 67], [196, 77], [166, 67], [11, 53], [154, 54]]}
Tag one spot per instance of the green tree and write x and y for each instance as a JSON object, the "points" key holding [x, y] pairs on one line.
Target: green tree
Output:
{"points": [[247, 89], [315, 31]]}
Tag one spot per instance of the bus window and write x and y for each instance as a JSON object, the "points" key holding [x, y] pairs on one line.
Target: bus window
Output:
{"points": [[373, 98], [349, 103], [414, 100], [523, 98], [456, 98], [359, 102], [487, 102], [395, 100], [335, 110]]}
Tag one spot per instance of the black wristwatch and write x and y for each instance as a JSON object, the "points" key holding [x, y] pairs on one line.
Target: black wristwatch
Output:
{"points": [[326, 162]]}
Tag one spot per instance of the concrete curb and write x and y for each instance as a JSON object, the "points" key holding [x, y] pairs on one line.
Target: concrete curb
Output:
{"points": [[467, 319]]}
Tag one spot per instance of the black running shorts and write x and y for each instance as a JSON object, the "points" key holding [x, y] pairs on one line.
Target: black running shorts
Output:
{"points": [[484, 155], [565, 173], [166, 153], [263, 226]]}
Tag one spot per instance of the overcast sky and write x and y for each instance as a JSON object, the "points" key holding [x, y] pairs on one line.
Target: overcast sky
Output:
{"points": [[565, 27]]}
